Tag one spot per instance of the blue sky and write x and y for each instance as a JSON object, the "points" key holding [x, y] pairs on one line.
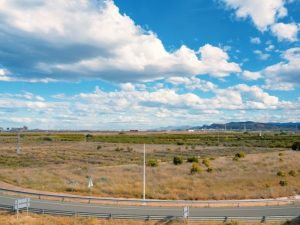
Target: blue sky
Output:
{"points": [[102, 64]]}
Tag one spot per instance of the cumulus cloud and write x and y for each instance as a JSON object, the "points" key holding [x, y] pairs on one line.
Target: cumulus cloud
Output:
{"points": [[129, 107], [255, 40], [248, 75], [261, 55], [192, 83], [262, 13], [284, 75], [80, 39], [288, 32]]}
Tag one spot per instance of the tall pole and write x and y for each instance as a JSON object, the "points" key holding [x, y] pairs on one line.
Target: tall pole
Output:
{"points": [[144, 183]]}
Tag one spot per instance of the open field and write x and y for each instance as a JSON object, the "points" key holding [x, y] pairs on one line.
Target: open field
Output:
{"points": [[52, 163], [33, 219]]}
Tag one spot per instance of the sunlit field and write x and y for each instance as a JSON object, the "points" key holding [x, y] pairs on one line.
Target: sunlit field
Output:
{"points": [[228, 165]]}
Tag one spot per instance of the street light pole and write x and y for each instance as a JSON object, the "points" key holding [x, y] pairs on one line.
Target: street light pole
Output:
{"points": [[144, 183]]}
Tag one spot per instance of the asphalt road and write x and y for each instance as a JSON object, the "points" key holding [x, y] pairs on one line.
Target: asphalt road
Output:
{"points": [[291, 210]]}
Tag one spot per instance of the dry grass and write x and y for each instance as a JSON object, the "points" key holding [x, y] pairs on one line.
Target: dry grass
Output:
{"points": [[33, 219], [116, 170]]}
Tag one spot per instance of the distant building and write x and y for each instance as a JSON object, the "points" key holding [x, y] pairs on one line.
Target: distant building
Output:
{"points": [[191, 130], [134, 131]]}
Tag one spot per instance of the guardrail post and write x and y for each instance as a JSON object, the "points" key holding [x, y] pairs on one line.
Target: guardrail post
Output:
{"points": [[225, 219], [263, 219], [39, 196]]}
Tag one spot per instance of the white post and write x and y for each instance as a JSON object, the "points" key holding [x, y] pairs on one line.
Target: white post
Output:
{"points": [[144, 183]]}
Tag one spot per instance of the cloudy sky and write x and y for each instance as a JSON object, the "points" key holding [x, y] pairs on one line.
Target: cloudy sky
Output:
{"points": [[140, 64]]}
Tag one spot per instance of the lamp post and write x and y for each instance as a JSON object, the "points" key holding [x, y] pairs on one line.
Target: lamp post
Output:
{"points": [[144, 177]]}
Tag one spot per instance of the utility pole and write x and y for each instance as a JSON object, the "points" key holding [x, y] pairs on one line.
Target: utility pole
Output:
{"points": [[144, 183]]}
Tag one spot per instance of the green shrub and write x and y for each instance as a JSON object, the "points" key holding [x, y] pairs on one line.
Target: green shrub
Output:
{"points": [[280, 154], [240, 155], [195, 168], [296, 146], [209, 170], [283, 183], [47, 139], [206, 162], [281, 174], [192, 159], [177, 160], [99, 147], [180, 143], [292, 173], [153, 163], [235, 158]]}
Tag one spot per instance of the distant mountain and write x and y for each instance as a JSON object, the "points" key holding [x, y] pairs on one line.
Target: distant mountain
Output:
{"points": [[238, 126], [250, 126]]}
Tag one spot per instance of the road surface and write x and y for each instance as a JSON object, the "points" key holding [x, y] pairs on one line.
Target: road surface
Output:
{"points": [[292, 211]]}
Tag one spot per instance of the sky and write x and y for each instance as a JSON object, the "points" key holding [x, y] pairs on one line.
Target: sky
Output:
{"points": [[140, 64]]}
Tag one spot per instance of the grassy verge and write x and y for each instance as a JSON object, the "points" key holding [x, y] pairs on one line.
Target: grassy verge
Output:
{"points": [[33, 219]]}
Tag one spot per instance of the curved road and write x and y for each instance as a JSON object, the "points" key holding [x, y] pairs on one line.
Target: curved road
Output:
{"points": [[292, 211]]}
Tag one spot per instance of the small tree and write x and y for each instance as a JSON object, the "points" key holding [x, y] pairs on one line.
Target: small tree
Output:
{"points": [[293, 173], [281, 174], [177, 160], [193, 159], [296, 146], [283, 183], [195, 168]]}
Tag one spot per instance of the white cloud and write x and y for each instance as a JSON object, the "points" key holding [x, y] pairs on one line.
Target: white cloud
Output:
{"points": [[255, 40], [270, 48], [92, 40], [124, 108], [192, 83], [248, 75], [285, 74], [261, 55], [262, 13], [288, 32]]}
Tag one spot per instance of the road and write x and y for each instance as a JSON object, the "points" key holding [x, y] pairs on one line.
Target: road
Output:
{"points": [[291, 210]]}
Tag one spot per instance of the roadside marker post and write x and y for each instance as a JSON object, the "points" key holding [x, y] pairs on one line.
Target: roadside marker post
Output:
{"points": [[186, 212], [20, 204]]}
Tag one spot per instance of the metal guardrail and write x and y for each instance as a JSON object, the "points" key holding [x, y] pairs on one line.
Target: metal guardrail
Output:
{"points": [[151, 217], [211, 203]]}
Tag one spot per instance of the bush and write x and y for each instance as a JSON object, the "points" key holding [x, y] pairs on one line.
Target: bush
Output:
{"points": [[281, 174], [280, 154], [283, 183], [153, 163], [296, 146], [177, 160], [99, 147], [47, 139], [209, 170], [292, 173], [180, 143], [195, 168], [192, 159], [240, 155], [206, 162]]}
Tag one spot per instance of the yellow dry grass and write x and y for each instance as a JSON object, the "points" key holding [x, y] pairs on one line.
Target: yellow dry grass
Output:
{"points": [[64, 167]]}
